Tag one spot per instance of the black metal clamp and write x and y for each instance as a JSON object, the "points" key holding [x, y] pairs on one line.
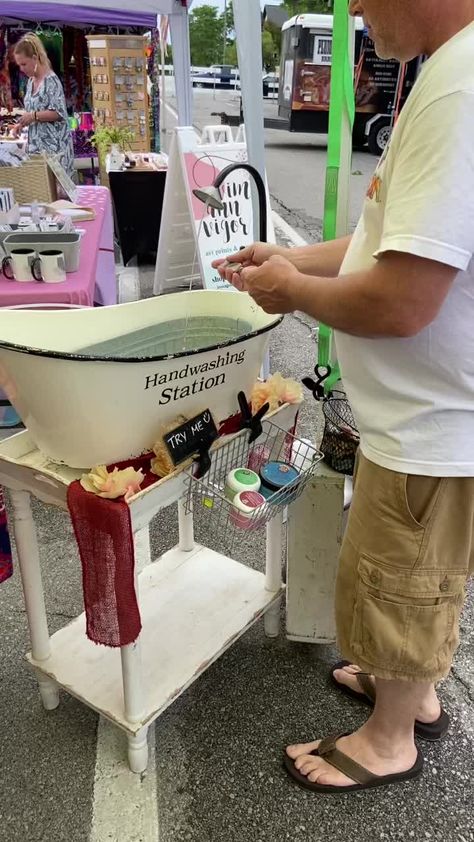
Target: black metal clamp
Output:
{"points": [[202, 461], [249, 421], [322, 372]]}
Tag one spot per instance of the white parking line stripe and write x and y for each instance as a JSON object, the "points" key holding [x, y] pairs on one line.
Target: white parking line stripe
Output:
{"points": [[125, 805]]}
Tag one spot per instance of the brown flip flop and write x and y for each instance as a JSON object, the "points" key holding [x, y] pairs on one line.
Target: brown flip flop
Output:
{"points": [[431, 731], [362, 777]]}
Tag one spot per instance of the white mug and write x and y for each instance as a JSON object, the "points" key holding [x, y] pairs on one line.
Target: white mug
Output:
{"points": [[49, 267], [17, 266]]}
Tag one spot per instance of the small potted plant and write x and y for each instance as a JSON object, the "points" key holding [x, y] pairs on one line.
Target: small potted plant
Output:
{"points": [[114, 139]]}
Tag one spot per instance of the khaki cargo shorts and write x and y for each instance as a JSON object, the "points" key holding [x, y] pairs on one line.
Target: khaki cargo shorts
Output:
{"points": [[406, 555]]}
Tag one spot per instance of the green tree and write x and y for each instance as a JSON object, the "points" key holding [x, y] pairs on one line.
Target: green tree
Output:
{"points": [[228, 38], [228, 17], [270, 53], [270, 50], [206, 35], [301, 7], [231, 53], [271, 39]]}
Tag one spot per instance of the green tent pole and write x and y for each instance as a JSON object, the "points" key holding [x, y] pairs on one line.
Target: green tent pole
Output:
{"points": [[341, 123]]}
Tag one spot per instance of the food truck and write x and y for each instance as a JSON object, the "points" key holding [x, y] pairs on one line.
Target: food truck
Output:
{"points": [[381, 87]]}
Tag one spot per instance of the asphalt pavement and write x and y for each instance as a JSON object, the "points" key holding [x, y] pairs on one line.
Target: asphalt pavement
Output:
{"points": [[217, 773]]}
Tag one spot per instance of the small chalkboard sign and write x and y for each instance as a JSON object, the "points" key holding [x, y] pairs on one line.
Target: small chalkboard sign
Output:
{"points": [[194, 436]]}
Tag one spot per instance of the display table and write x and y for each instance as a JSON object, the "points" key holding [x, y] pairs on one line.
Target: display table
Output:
{"points": [[137, 197], [95, 281], [19, 142], [194, 603]]}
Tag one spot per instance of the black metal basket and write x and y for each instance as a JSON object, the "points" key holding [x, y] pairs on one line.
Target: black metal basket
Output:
{"points": [[340, 437]]}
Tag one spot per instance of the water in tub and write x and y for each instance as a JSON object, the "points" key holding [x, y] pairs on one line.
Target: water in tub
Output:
{"points": [[173, 337]]}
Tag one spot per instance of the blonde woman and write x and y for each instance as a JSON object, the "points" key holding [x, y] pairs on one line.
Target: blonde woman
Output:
{"points": [[45, 106]]}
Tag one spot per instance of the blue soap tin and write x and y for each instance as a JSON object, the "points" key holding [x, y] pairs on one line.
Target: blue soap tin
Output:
{"points": [[275, 476]]}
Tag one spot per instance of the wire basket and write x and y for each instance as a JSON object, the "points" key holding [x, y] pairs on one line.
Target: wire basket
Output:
{"points": [[207, 495], [340, 437]]}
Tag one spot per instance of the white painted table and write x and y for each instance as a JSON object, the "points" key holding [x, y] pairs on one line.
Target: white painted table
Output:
{"points": [[194, 603]]}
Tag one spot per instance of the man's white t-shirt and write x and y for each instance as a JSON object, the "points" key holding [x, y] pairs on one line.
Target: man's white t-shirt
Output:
{"points": [[413, 398]]}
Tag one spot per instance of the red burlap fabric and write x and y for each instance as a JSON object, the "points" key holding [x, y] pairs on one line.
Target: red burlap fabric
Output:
{"points": [[105, 540]]}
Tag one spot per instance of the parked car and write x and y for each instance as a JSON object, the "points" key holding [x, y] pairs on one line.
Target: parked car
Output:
{"points": [[271, 82], [220, 76]]}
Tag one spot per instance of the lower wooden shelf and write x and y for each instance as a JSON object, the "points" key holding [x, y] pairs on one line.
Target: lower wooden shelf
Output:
{"points": [[193, 606]]}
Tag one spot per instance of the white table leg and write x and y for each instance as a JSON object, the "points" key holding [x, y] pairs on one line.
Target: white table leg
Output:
{"points": [[132, 682], [273, 572], [186, 528], [134, 704], [28, 558], [138, 752]]}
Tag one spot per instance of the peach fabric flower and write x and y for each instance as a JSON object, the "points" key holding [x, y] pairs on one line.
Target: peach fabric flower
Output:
{"points": [[113, 484], [287, 390], [262, 393], [277, 390]]}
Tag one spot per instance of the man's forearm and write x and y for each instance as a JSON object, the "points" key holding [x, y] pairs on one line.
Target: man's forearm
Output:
{"points": [[397, 295], [358, 304], [322, 259]]}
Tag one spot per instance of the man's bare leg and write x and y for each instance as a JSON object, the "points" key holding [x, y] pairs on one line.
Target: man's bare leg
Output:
{"points": [[429, 712], [384, 745]]}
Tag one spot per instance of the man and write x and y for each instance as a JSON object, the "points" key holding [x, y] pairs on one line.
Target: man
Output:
{"points": [[400, 296]]}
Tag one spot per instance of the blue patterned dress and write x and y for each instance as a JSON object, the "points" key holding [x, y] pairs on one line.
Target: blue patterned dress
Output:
{"points": [[52, 138]]}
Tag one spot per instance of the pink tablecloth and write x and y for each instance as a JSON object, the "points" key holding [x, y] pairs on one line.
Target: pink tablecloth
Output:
{"points": [[84, 286]]}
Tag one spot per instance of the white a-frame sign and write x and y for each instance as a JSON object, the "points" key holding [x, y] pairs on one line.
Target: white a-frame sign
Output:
{"points": [[192, 235]]}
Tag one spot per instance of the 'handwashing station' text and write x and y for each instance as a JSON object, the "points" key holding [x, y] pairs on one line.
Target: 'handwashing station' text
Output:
{"points": [[199, 371]]}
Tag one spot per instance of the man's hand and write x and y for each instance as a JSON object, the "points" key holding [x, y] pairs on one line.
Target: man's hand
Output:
{"points": [[253, 255], [320, 259], [271, 285]]}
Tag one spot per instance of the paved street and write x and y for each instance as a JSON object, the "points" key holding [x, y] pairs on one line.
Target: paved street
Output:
{"points": [[215, 773]]}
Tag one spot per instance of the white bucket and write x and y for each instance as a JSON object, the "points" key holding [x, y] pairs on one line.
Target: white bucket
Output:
{"points": [[84, 411]]}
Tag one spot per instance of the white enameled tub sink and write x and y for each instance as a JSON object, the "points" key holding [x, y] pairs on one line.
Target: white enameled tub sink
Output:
{"points": [[96, 385]]}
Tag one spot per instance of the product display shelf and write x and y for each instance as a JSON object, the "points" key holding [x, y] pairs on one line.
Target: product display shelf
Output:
{"points": [[119, 85]]}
